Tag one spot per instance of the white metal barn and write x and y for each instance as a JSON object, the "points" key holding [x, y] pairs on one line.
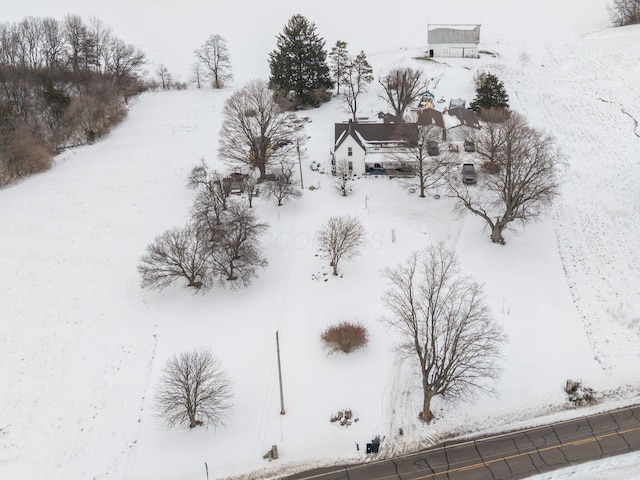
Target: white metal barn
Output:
{"points": [[459, 41]]}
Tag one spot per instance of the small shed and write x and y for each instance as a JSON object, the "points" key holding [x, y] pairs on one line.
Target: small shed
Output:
{"points": [[457, 41]]}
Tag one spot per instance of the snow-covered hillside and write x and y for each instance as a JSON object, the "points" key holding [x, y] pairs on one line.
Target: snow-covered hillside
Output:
{"points": [[82, 346]]}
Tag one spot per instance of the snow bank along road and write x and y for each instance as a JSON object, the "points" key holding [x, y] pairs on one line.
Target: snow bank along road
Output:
{"points": [[512, 455]]}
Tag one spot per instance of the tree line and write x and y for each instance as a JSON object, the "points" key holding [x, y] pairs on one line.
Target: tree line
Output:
{"points": [[62, 83]]}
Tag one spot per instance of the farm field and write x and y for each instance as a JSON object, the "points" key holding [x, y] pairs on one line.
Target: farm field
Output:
{"points": [[82, 346]]}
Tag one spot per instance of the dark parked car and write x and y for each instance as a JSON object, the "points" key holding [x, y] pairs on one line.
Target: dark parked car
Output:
{"points": [[468, 174], [432, 148], [469, 146]]}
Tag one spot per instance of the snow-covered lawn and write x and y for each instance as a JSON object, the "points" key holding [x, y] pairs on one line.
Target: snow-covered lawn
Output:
{"points": [[82, 346]]}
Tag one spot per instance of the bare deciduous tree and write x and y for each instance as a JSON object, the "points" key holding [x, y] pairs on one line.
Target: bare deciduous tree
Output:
{"points": [[175, 254], [281, 186], [194, 390], [235, 252], [341, 237], [624, 12], [165, 77], [430, 171], [124, 63], [447, 326], [520, 179], [342, 178], [356, 75], [197, 73], [250, 183], [255, 131], [214, 56], [402, 86], [211, 200]]}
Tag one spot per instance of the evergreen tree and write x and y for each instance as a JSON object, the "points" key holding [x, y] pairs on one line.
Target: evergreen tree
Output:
{"points": [[356, 76], [339, 58], [299, 70], [491, 94]]}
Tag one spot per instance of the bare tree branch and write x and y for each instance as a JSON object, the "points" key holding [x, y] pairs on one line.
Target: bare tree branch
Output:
{"points": [[235, 252], [447, 326], [430, 171], [341, 237], [215, 58], [175, 254], [194, 390], [520, 178], [281, 185], [401, 87], [255, 131], [624, 12]]}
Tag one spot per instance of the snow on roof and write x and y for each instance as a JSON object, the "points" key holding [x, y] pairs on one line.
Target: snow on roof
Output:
{"points": [[441, 33]]}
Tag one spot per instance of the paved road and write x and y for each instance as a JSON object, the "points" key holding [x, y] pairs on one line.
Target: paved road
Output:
{"points": [[512, 455]]}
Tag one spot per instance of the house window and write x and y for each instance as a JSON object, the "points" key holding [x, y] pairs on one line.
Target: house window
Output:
{"points": [[350, 167], [350, 152]]}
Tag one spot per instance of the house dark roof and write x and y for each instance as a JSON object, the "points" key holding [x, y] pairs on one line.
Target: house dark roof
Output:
{"points": [[389, 118], [461, 34], [365, 132], [466, 116], [430, 116]]}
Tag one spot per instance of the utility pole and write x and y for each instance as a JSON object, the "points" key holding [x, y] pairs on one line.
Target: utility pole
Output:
{"points": [[299, 161], [280, 374]]}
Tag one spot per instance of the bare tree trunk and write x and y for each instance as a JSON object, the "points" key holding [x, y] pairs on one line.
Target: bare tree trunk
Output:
{"points": [[426, 415], [193, 423], [496, 232]]}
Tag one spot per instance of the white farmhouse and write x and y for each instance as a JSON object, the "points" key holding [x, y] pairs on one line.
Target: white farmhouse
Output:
{"points": [[365, 147], [459, 41]]}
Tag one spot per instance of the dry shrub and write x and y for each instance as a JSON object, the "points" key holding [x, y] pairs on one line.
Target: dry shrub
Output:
{"points": [[491, 167], [22, 153], [89, 118], [345, 337]]}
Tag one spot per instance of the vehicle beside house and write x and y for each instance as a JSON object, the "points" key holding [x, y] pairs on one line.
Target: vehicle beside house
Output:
{"points": [[469, 146], [468, 174], [233, 184]]}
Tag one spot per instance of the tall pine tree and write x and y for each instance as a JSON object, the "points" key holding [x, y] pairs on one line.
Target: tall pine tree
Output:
{"points": [[491, 94], [299, 69], [339, 58]]}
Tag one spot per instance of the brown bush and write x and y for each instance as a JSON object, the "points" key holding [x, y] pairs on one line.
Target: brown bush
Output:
{"points": [[88, 118], [22, 153], [491, 167], [345, 337]]}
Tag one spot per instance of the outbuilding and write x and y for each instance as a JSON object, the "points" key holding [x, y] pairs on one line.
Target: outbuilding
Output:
{"points": [[457, 41]]}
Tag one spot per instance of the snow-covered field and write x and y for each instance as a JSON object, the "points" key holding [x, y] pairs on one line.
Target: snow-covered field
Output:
{"points": [[82, 346]]}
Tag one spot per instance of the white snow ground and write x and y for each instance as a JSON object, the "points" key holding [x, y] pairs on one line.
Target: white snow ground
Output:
{"points": [[82, 346]]}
